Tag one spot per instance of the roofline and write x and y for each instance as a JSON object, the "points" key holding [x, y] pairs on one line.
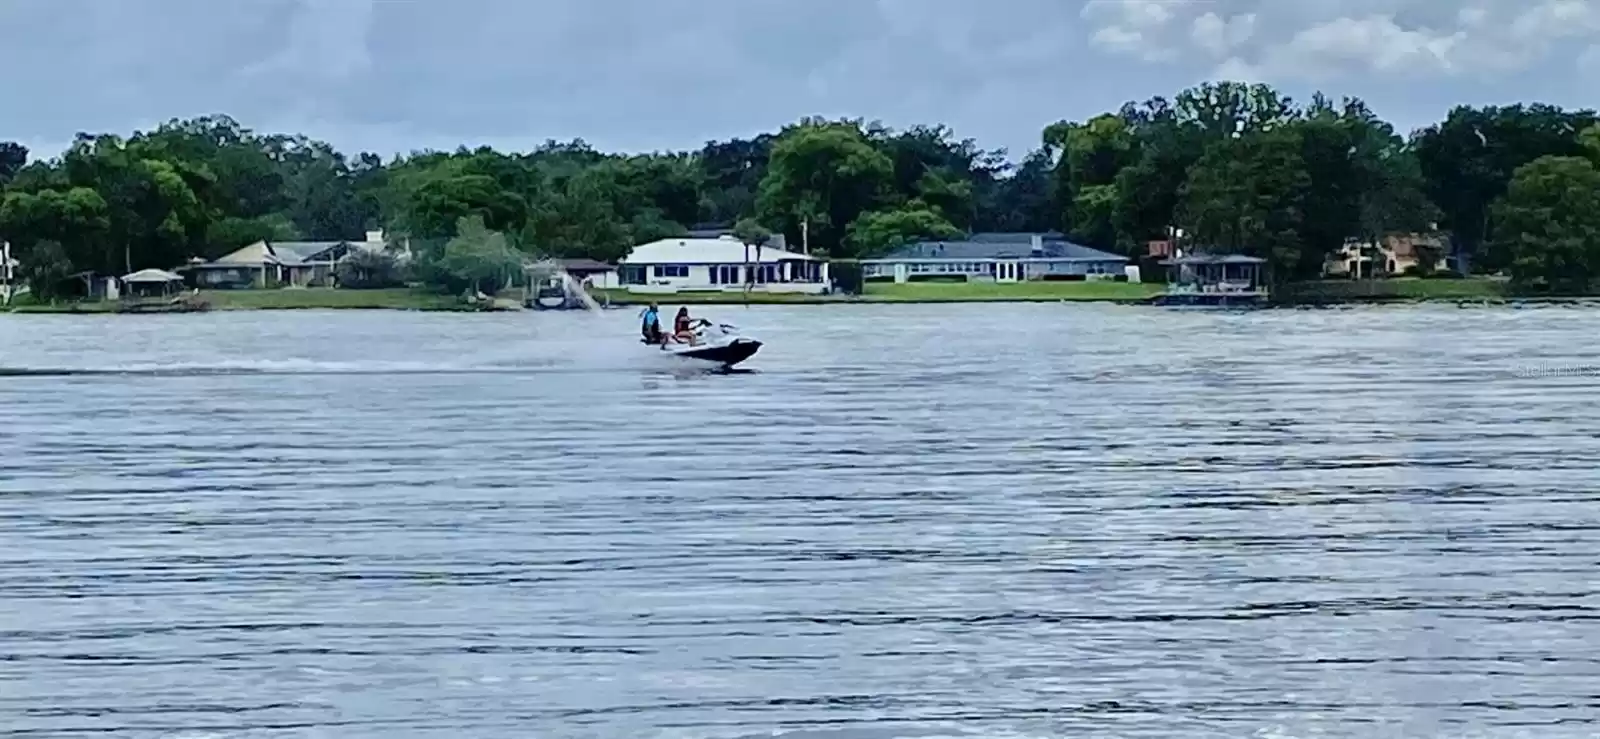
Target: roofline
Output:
{"points": [[1219, 259], [796, 257], [1030, 260]]}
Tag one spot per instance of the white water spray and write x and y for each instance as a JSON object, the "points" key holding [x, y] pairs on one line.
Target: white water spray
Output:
{"points": [[576, 288]]}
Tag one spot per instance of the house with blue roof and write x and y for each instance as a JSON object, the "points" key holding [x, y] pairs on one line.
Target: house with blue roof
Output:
{"points": [[998, 257]]}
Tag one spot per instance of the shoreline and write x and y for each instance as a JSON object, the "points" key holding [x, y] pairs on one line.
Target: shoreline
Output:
{"points": [[1463, 293]]}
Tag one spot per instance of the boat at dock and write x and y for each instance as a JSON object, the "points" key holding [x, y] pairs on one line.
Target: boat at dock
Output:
{"points": [[552, 287]]}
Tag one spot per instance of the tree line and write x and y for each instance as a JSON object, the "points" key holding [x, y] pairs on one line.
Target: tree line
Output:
{"points": [[1240, 168]]}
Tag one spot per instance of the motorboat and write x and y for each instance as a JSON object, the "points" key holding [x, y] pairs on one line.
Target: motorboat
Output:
{"points": [[715, 343], [553, 288], [551, 294]]}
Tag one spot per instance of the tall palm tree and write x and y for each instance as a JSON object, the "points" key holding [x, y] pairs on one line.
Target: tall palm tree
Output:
{"points": [[751, 233]]}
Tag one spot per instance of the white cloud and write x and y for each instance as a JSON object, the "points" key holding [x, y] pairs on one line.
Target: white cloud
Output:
{"points": [[1374, 43], [1556, 19], [1320, 40], [1219, 37], [1132, 27], [1235, 69]]}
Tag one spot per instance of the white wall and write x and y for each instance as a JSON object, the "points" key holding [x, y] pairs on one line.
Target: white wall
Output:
{"points": [[699, 276], [607, 279], [699, 279]]}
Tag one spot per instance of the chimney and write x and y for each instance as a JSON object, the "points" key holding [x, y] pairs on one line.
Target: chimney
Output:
{"points": [[375, 237], [1037, 243]]}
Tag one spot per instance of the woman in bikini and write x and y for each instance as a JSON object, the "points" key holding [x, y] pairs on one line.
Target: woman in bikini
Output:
{"points": [[681, 329]]}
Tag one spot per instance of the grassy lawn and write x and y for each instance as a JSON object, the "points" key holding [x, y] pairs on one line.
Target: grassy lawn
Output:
{"points": [[936, 292], [619, 296], [26, 304], [398, 298], [1472, 287], [915, 292], [1403, 288]]}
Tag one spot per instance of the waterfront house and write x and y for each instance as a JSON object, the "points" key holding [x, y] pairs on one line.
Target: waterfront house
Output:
{"points": [[995, 257], [721, 264], [1395, 254], [282, 263]]}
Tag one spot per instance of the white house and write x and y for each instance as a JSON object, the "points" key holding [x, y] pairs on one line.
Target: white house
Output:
{"points": [[719, 264]]}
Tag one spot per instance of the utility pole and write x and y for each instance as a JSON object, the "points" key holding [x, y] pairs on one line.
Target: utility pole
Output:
{"points": [[805, 236]]}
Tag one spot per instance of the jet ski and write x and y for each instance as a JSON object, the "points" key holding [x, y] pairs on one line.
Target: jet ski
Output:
{"points": [[715, 343]]}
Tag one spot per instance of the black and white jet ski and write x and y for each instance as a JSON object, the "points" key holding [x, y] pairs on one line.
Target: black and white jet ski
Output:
{"points": [[714, 343]]}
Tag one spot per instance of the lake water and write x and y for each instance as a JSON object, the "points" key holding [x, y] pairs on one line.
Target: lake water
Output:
{"points": [[907, 521]]}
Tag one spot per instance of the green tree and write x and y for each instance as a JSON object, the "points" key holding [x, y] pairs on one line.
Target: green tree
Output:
{"points": [[879, 232], [436, 207], [1248, 195], [732, 172], [475, 258], [13, 157], [751, 233], [1589, 139], [1022, 199], [1148, 190], [76, 220], [950, 174], [45, 268], [754, 236], [1549, 223], [1468, 160], [1225, 109], [1090, 157], [578, 217], [364, 270], [156, 217], [824, 174], [229, 233]]}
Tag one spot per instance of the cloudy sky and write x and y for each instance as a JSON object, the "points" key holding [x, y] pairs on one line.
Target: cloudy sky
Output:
{"points": [[397, 75]]}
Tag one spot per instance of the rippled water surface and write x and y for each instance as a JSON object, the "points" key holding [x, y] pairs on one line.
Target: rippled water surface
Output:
{"points": [[907, 521]]}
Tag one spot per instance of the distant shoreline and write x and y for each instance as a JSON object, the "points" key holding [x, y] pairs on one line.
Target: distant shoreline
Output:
{"points": [[1331, 294]]}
